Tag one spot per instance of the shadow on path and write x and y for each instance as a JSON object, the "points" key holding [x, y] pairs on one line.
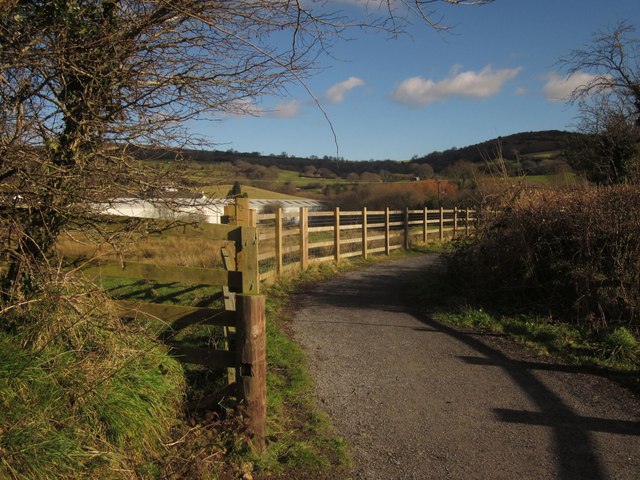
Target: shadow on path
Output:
{"points": [[573, 443]]}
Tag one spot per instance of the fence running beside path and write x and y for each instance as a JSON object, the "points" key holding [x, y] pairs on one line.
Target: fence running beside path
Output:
{"points": [[295, 240], [255, 248]]}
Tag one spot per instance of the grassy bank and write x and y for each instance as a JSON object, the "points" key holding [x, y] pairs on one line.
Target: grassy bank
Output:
{"points": [[82, 394]]}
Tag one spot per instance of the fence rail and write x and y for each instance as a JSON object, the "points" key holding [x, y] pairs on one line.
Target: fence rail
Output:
{"points": [[296, 239], [257, 248], [242, 318]]}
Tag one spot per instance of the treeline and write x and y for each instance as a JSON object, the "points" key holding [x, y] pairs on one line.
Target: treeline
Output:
{"points": [[519, 148], [338, 167]]}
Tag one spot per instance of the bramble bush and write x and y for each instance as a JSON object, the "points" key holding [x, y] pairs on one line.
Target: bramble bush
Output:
{"points": [[574, 254]]}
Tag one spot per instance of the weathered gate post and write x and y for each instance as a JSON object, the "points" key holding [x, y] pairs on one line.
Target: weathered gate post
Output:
{"points": [[406, 229], [251, 362]]}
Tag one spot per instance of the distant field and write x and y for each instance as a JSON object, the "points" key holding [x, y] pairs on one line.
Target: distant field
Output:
{"points": [[220, 191], [556, 180], [543, 155], [295, 178], [216, 179]]}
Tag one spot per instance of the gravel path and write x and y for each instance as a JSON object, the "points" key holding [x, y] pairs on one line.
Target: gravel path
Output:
{"points": [[420, 400]]}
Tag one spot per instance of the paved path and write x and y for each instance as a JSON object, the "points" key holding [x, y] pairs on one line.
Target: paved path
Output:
{"points": [[419, 400]]}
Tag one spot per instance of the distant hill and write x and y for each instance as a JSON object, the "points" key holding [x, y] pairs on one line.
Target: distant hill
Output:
{"points": [[520, 146], [525, 145]]}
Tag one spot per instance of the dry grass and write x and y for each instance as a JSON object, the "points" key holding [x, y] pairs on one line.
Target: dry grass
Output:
{"points": [[169, 248]]}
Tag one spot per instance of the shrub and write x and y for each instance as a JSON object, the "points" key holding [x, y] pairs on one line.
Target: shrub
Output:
{"points": [[576, 253], [620, 344]]}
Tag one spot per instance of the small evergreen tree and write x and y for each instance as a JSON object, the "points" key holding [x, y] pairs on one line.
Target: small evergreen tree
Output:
{"points": [[236, 190]]}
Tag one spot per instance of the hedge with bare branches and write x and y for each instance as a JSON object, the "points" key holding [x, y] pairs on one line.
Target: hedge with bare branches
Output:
{"points": [[570, 253]]}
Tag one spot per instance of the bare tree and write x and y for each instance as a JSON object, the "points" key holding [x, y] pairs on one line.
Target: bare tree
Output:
{"points": [[609, 104], [85, 83]]}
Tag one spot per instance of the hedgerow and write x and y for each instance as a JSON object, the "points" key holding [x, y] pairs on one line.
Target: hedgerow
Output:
{"points": [[575, 254]]}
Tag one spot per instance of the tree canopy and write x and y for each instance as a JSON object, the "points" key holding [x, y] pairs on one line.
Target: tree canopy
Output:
{"points": [[609, 104]]}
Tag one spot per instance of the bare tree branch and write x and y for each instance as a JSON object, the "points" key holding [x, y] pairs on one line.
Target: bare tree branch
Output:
{"points": [[86, 85]]}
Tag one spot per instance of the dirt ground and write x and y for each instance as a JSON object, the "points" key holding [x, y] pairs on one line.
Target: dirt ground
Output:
{"points": [[420, 400]]}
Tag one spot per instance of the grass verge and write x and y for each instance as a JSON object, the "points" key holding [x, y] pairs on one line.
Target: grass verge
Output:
{"points": [[614, 352], [82, 394]]}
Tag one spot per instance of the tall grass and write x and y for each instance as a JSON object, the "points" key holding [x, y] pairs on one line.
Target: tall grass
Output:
{"points": [[82, 395], [169, 248]]}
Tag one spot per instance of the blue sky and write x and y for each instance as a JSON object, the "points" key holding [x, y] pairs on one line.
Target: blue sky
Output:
{"points": [[492, 74]]}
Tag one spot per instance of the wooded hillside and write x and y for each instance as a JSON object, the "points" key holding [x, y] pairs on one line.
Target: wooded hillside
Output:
{"points": [[549, 144], [543, 144]]}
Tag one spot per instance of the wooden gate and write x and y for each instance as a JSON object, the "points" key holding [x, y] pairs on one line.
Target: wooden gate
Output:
{"points": [[243, 315]]}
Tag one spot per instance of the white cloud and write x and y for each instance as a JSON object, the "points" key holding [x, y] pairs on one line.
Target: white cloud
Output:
{"points": [[558, 89], [248, 106], [243, 106], [337, 93], [418, 91], [288, 109]]}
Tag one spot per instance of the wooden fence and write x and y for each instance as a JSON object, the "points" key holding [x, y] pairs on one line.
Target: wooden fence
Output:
{"points": [[242, 317], [295, 240], [257, 248]]}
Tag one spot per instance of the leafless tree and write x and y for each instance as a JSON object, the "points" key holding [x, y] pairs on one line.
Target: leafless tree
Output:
{"points": [[609, 104], [85, 83]]}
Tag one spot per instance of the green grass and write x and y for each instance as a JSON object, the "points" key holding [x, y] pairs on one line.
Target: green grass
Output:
{"points": [[82, 395], [554, 180], [301, 439]]}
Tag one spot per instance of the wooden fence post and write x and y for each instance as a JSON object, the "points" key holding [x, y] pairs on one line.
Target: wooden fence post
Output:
{"points": [[425, 225], [441, 224], [243, 212], [251, 364], [387, 239], [247, 259], [365, 234], [304, 237], [455, 221], [466, 223], [279, 241], [336, 234], [406, 228]]}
